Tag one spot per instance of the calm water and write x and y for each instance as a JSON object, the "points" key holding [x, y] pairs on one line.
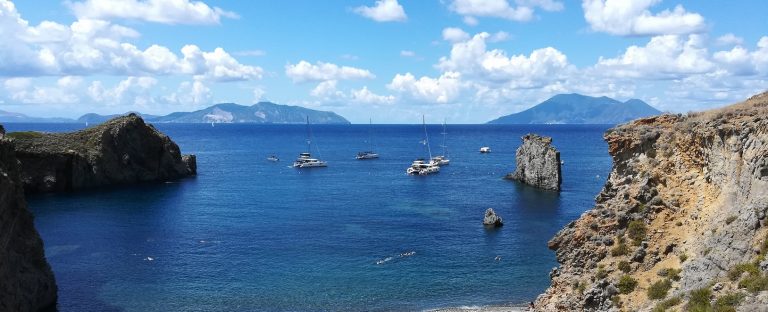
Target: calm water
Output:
{"points": [[249, 234]]}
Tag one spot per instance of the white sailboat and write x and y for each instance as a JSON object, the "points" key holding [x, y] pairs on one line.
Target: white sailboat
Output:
{"points": [[419, 166], [442, 160], [305, 160], [369, 154]]}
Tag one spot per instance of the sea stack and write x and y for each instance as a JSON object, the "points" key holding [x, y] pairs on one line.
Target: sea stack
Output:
{"points": [[123, 150], [491, 219], [680, 223], [538, 163], [26, 280]]}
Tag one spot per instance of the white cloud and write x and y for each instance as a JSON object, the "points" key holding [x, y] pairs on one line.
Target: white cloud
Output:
{"points": [[499, 37], [522, 12], [729, 39], [191, 94], [383, 11], [365, 96], [90, 46], [258, 94], [453, 34], [663, 57], [633, 18], [407, 53], [158, 11], [132, 91], [304, 71], [443, 89], [22, 90], [326, 89]]}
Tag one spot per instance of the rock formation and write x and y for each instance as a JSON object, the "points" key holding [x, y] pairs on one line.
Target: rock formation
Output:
{"points": [[121, 151], [491, 219], [538, 163], [26, 280], [680, 222]]}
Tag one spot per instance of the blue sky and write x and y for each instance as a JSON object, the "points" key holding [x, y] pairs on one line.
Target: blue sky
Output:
{"points": [[468, 61]]}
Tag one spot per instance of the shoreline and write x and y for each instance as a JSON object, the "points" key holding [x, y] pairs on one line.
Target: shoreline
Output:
{"points": [[488, 308]]}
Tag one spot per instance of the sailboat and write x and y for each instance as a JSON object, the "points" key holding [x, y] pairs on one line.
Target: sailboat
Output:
{"points": [[369, 154], [305, 160], [419, 166], [442, 160]]}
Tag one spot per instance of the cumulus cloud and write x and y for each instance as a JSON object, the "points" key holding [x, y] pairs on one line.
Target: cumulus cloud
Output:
{"points": [[453, 34], [729, 39], [521, 11], [191, 94], [365, 96], [22, 90], [89, 46], [383, 11], [443, 89], [304, 71], [158, 11], [633, 18], [130, 91]]}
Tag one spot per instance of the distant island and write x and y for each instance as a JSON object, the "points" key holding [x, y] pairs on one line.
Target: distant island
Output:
{"points": [[262, 112], [580, 109]]}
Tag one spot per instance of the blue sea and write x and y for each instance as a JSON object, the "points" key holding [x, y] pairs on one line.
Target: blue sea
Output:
{"points": [[248, 234]]}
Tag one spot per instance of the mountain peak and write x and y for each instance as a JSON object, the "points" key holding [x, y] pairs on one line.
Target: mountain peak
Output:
{"points": [[577, 108]]}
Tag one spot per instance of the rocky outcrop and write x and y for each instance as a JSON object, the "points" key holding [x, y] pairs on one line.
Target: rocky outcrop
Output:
{"points": [[491, 219], [682, 215], [26, 279], [120, 151], [538, 163]]}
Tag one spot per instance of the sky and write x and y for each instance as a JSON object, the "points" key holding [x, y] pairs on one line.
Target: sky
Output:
{"points": [[464, 61]]}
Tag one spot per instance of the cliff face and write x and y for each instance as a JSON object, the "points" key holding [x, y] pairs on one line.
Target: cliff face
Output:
{"points": [[26, 279], [680, 222], [538, 163], [120, 151]]}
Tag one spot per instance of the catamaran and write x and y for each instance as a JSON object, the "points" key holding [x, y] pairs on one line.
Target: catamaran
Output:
{"points": [[305, 160], [442, 160], [369, 154], [419, 166]]}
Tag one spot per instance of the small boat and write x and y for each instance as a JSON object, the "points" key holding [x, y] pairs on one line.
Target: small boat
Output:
{"points": [[420, 167], [485, 149], [369, 154], [305, 160], [273, 158]]}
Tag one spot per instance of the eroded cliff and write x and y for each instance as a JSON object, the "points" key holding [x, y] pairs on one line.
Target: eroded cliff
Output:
{"points": [[26, 280], [537, 163], [120, 151], [680, 223]]}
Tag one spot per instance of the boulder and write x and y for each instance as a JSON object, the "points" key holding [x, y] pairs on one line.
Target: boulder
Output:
{"points": [[26, 280], [123, 150], [538, 163], [492, 219]]}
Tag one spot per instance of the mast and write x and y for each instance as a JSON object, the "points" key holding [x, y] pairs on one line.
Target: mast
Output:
{"points": [[445, 147], [426, 137], [309, 137], [370, 135]]}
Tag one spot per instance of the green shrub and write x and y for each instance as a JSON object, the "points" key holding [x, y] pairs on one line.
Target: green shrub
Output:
{"points": [[673, 274], [728, 302], [580, 287], [636, 231], [667, 304], [754, 283], [730, 219], [736, 272], [683, 257], [699, 300], [659, 289], [25, 135], [624, 266], [601, 273], [620, 249], [626, 284]]}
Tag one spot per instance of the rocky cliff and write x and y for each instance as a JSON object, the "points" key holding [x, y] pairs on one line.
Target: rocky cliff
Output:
{"points": [[26, 279], [538, 163], [120, 151], [680, 224]]}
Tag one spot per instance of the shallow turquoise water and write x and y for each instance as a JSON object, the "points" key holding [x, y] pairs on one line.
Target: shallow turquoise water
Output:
{"points": [[247, 234]]}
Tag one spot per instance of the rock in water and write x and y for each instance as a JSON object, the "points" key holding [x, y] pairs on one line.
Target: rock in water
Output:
{"points": [[123, 150], [26, 280], [538, 163], [491, 218]]}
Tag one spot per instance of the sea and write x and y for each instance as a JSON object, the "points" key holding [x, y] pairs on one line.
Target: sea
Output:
{"points": [[248, 234]]}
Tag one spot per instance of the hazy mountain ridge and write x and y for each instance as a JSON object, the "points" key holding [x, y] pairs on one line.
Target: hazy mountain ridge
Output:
{"points": [[580, 109], [262, 112]]}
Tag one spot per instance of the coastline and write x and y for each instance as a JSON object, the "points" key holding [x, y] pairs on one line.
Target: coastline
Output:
{"points": [[489, 308]]}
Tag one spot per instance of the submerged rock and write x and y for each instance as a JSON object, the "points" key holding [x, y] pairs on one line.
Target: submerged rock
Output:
{"points": [[26, 280], [492, 219], [123, 150], [538, 163]]}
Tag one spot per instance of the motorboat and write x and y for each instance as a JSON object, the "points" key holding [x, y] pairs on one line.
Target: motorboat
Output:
{"points": [[273, 158], [485, 149], [305, 160]]}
